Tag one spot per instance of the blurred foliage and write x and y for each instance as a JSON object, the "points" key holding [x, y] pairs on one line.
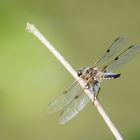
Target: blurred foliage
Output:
{"points": [[30, 76]]}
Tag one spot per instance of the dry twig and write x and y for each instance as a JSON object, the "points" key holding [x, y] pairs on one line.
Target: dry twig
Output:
{"points": [[31, 28]]}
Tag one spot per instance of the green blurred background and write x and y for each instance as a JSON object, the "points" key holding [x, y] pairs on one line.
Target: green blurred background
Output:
{"points": [[30, 76]]}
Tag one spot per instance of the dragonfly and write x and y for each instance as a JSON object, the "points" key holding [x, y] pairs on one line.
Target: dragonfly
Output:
{"points": [[72, 101]]}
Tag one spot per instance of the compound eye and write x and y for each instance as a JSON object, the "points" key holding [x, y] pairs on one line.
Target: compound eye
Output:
{"points": [[80, 72]]}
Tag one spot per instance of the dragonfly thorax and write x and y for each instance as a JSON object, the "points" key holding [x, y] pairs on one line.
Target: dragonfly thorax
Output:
{"points": [[87, 73]]}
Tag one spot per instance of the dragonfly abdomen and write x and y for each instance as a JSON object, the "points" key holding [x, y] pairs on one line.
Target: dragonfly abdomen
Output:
{"points": [[107, 76]]}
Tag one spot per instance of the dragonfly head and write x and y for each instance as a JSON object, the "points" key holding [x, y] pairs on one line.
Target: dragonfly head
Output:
{"points": [[80, 71]]}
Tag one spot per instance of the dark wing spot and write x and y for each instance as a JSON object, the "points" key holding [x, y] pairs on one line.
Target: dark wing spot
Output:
{"points": [[116, 58], [116, 39], [76, 97], [130, 47], [108, 50], [105, 66], [65, 92]]}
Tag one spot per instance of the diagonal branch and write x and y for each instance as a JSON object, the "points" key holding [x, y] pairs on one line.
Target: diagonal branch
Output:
{"points": [[32, 29]]}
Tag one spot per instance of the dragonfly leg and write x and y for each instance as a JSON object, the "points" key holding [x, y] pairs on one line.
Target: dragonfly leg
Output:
{"points": [[98, 92]]}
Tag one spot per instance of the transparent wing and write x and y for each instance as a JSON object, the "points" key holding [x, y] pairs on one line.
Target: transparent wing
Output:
{"points": [[123, 58], [74, 108], [116, 45], [77, 104], [63, 100]]}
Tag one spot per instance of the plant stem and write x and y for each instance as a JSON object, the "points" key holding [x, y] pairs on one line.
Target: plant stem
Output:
{"points": [[32, 29]]}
